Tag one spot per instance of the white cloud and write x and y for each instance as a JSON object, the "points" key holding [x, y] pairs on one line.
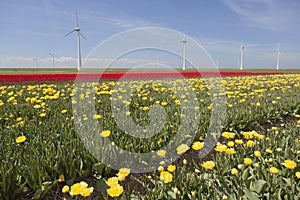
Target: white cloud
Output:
{"points": [[63, 59], [255, 55], [124, 22], [227, 55], [276, 15], [30, 62]]}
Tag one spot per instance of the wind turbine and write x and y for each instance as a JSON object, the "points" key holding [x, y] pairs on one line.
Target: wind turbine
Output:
{"points": [[278, 57], [77, 29], [242, 57], [52, 59], [184, 58]]}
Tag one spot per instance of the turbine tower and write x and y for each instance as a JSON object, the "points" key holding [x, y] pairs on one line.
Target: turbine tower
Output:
{"points": [[184, 58], [77, 29], [242, 57], [52, 59], [278, 57]]}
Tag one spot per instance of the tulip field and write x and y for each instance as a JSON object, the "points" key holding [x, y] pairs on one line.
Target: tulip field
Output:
{"points": [[256, 156]]}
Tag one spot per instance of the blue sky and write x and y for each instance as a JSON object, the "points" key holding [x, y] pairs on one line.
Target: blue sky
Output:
{"points": [[33, 28]]}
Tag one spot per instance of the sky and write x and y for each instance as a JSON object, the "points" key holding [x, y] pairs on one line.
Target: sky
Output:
{"points": [[32, 29]]}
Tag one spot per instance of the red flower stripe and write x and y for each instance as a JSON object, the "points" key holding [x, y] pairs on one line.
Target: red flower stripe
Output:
{"points": [[118, 75]]}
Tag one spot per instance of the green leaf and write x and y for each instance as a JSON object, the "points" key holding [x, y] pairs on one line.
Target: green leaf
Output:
{"points": [[102, 187], [172, 194], [70, 181], [257, 186], [288, 181], [278, 193], [46, 186], [245, 174], [38, 194], [99, 168], [250, 194], [134, 197], [232, 197], [107, 171]]}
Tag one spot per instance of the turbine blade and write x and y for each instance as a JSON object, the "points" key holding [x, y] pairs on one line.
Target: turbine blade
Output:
{"points": [[82, 36], [76, 20], [69, 33]]}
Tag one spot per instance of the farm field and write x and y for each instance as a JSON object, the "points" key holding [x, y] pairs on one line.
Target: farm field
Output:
{"points": [[256, 157], [117, 70], [118, 75]]}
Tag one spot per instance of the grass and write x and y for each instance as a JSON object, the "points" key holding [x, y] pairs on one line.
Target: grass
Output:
{"points": [[74, 71], [47, 114]]}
